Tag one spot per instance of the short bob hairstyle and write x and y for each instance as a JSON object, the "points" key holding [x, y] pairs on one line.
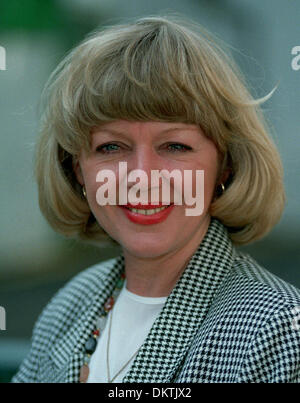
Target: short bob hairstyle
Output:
{"points": [[157, 69]]}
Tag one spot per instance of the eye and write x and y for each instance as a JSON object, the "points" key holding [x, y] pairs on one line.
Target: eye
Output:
{"points": [[108, 148], [178, 147]]}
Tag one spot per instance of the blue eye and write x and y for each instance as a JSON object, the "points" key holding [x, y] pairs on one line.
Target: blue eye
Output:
{"points": [[108, 148], [178, 147]]}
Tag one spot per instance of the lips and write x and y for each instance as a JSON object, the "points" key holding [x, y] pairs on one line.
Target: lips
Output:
{"points": [[149, 213]]}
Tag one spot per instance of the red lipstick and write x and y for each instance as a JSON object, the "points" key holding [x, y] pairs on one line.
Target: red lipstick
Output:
{"points": [[143, 219]]}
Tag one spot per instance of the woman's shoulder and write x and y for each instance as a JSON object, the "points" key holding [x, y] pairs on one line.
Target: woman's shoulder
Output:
{"points": [[90, 278], [253, 274], [63, 311], [253, 291], [85, 284], [71, 300], [265, 310]]}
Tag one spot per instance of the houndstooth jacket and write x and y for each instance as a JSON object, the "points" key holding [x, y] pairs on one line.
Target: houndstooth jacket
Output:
{"points": [[226, 320]]}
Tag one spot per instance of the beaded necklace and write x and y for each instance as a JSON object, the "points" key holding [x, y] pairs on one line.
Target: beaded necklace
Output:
{"points": [[91, 343]]}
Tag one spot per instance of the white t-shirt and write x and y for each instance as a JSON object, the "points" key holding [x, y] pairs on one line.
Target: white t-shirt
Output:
{"points": [[133, 317]]}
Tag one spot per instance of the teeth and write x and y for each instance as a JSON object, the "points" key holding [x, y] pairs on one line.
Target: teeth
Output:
{"points": [[148, 212]]}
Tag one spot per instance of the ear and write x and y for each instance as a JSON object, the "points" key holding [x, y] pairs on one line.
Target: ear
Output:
{"points": [[78, 172]]}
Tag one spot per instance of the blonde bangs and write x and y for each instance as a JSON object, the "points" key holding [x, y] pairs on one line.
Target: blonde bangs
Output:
{"points": [[149, 72]]}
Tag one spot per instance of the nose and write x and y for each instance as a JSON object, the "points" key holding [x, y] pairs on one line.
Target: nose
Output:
{"points": [[144, 158]]}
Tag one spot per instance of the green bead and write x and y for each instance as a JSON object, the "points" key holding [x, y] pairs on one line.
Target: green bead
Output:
{"points": [[120, 283]]}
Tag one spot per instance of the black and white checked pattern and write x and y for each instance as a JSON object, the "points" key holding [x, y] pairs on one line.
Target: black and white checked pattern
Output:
{"points": [[226, 320]]}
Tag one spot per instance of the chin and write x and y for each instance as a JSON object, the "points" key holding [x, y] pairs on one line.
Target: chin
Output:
{"points": [[144, 246]]}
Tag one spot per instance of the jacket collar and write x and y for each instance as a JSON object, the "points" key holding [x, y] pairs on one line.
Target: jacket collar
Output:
{"points": [[174, 329]]}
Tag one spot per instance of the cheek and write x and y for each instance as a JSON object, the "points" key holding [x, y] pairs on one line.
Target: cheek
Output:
{"points": [[210, 174], [92, 179], [209, 165]]}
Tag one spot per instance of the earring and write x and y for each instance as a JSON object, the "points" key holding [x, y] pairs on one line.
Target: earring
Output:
{"points": [[220, 190], [84, 191]]}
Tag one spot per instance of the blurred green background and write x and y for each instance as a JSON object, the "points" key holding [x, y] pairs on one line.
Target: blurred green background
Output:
{"points": [[35, 261]]}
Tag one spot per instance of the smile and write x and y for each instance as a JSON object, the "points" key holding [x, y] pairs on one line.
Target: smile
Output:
{"points": [[146, 214]]}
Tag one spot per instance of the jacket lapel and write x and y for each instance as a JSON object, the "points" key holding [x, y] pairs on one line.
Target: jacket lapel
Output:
{"points": [[173, 331], [87, 324], [185, 309]]}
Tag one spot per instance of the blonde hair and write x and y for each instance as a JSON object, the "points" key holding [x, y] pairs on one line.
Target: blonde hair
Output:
{"points": [[157, 69]]}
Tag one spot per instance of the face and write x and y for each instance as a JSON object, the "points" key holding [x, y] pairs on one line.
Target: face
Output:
{"points": [[149, 146]]}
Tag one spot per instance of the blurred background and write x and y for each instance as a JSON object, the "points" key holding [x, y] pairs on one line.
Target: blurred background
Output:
{"points": [[34, 35]]}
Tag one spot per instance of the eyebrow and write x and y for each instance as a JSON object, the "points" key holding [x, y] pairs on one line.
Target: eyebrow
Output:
{"points": [[121, 133]]}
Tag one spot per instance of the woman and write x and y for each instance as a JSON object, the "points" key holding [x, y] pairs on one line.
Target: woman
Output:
{"points": [[181, 303]]}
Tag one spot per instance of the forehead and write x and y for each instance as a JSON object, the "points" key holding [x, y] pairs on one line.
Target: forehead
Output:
{"points": [[127, 127]]}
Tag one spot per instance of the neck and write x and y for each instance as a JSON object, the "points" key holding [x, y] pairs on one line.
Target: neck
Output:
{"points": [[157, 276]]}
